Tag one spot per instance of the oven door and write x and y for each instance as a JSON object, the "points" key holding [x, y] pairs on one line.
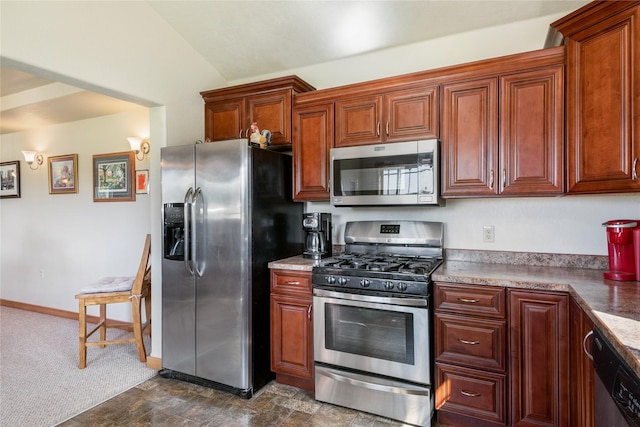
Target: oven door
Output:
{"points": [[376, 335]]}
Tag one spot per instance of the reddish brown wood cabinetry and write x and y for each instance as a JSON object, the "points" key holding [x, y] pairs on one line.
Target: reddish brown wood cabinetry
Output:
{"points": [[581, 370], [230, 111], [292, 328], [400, 115], [312, 141], [502, 356], [502, 131], [603, 97], [539, 358], [470, 355]]}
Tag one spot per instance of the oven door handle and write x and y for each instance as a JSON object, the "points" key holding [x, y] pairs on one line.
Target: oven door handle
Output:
{"points": [[407, 302], [356, 380]]}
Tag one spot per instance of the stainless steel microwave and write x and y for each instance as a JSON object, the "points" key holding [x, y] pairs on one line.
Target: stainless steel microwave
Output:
{"points": [[402, 173]]}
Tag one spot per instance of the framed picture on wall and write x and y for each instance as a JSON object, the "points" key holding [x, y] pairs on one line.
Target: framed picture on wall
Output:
{"points": [[10, 179], [142, 181], [113, 177], [63, 174]]}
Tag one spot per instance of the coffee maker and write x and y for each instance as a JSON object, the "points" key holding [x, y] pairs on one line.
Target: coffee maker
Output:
{"points": [[317, 243]]}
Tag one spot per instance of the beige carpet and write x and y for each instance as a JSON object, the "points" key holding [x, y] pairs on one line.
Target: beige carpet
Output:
{"points": [[40, 383]]}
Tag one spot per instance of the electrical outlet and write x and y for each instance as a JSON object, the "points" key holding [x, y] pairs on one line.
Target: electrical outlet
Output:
{"points": [[488, 234]]}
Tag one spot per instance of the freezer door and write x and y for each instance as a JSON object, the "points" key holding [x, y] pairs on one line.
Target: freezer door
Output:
{"points": [[178, 285], [222, 257]]}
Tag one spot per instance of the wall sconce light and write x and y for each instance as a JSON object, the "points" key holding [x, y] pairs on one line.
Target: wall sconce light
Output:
{"points": [[33, 157], [139, 145]]}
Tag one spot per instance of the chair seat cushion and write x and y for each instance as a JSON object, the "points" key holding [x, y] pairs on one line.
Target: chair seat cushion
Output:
{"points": [[109, 284]]}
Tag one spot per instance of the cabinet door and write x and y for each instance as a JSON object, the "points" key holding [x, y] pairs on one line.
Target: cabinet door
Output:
{"points": [[582, 370], [531, 132], [358, 121], [312, 142], [411, 114], [470, 138], [271, 111], [224, 120], [291, 336], [539, 336], [603, 105]]}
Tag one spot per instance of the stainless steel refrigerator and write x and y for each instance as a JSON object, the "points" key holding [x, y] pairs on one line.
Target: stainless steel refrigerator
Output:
{"points": [[227, 212]]}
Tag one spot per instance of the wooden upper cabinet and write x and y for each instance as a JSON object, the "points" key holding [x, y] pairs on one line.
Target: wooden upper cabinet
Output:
{"points": [[393, 116], [358, 121], [412, 114], [230, 111], [224, 119], [502, 132], [470, 137], [603, 97], [312, 142], [272, 111], [531, 132]]}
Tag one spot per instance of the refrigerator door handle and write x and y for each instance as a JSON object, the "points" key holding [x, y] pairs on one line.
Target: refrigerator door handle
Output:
{"points": [[187, 230], [194, 233]]}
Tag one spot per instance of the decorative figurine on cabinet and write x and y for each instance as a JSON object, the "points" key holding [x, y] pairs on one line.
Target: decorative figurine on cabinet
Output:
{"points": [[257, 138]]}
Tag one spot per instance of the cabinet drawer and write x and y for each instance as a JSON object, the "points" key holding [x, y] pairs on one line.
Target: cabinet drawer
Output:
{"points": [[475, 342], [477, 394], [291, 282], [485, 301]]}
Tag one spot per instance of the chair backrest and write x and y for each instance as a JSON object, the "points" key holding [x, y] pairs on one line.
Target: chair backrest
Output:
{"points": [[143, 276]]}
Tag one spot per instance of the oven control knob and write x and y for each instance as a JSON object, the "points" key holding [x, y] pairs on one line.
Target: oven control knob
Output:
{"points": [[388, 285], [342, 281], [330, 280], [365, 283], [402, 286]]}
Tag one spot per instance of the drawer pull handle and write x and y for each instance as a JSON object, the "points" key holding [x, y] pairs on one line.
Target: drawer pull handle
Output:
{"points": [[468, 342], [291, 282], [469, 300], [469, 394]]}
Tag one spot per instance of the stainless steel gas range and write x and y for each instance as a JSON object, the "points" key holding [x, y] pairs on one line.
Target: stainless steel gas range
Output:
{"points": [[373, 320]]}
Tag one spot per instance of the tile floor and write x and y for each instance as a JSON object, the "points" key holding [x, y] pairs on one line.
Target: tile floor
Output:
{"points": [[168, 402]]}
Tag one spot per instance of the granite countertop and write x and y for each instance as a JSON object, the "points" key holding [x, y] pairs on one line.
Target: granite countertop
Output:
{"points": [[613, 306]]}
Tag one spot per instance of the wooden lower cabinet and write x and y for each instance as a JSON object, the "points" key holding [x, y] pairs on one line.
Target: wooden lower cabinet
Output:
{"points": [[502, 357], [470, 354], [292, 328], [582, 371], [539, 358]]}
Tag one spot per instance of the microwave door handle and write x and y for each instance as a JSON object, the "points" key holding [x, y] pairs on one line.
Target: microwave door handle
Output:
{"points": [[187, 229], [194, 233]]}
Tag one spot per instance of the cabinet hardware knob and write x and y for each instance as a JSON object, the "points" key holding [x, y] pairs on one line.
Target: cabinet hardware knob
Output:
{"points": [[634, 169], [469, 394], [584, 345], [468, 342], [291, 282], [468, 300], [491, 180]]}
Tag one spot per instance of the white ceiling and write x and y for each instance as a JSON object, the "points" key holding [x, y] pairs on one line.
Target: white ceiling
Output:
{"points": [[242, 39]]}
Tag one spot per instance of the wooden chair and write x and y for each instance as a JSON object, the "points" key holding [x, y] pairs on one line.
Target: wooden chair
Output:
{"points": [[111, 290]]}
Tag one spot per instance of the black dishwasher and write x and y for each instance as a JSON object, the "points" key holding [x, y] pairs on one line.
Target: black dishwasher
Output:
{"points": [[617, 387]]}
